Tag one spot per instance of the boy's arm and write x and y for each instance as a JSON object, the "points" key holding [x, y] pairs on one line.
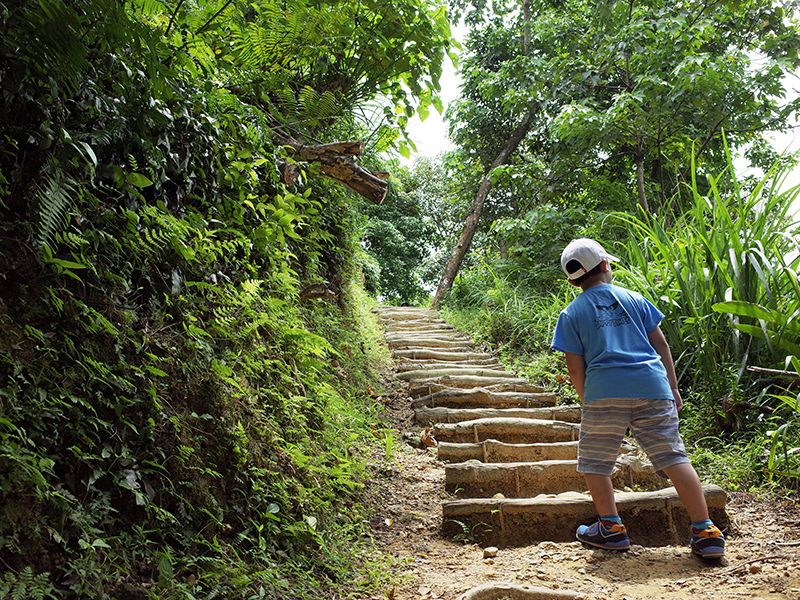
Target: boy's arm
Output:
{"points": [[577, 372], [659, 343]]}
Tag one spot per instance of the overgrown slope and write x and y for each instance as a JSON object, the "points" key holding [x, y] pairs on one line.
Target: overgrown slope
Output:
{"points": [[178, 418]]}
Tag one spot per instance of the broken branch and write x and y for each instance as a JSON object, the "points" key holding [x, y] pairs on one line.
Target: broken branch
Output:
{"points": [[335, 163]]}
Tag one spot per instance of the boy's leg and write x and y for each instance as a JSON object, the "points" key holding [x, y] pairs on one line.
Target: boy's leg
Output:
{"points": [[608, 532], [656, 428], [687, 484], [707, 540], [603, 425], [602, 492]]}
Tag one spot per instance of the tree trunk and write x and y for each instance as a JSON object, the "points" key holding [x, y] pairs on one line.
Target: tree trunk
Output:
{"points": [[638, 156], [657, 175], [471, 223], [526, 30]]}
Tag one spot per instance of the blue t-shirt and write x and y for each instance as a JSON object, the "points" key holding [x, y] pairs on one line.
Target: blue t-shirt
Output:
{"points": [[608, 326]]}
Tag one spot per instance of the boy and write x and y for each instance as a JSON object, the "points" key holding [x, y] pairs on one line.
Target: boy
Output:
{"points": [[621, 366]]}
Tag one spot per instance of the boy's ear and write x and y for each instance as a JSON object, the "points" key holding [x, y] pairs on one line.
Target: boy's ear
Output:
{"points": [[573, 283]]}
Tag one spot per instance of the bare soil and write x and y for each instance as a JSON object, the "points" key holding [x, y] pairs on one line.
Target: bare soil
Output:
{"points": [[762, 554]]}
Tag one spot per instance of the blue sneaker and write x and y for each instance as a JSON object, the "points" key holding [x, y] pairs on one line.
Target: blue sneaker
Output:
{"points": [[708, 543], [604, 534]]}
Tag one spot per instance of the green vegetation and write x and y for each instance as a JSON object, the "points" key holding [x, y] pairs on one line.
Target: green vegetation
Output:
{"points": [[186, 356], [395, 235], [725, 273], [188, 365]]}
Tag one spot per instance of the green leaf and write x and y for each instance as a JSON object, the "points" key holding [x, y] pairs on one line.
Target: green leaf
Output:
{"points": [[138, 180], [166, 572], [65, 264], [155, 371], [748, 309]]}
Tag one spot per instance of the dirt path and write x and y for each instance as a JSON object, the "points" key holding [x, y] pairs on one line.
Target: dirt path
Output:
{"points": [[762, 556], [439, 568]]}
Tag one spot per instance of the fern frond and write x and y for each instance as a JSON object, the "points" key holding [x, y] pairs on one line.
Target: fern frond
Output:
{"points": [[26, 576], [201, 51], [155, 241], [309, 95], [53, 204], [318, 106], [99, 137], [72, 241], [149, 7], [286, 97], [262, 47]]}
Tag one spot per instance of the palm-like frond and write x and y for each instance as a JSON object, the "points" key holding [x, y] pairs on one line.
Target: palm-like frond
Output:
{"points": [[53, 203]]}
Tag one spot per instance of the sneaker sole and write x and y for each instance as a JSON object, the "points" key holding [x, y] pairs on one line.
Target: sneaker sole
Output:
{"points": [[603, 546], [708, 554]]}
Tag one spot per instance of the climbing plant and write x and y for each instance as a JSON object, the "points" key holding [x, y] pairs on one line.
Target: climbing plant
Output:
{"points": [[171, 419]]}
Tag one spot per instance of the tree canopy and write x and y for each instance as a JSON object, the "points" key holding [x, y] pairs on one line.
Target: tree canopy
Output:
{"points": [[632, 92]]}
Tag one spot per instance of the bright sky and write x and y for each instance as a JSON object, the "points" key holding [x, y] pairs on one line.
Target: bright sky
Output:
{"points": [[430, 136]]}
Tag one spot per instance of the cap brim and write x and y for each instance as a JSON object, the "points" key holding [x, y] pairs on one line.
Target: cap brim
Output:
{"points": [[582, 272]]}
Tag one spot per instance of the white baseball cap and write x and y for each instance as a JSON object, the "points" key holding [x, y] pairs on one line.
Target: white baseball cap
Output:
{"points": [[587, 253]]}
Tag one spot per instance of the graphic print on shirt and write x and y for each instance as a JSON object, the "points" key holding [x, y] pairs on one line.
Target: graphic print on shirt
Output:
{"points": [[611, 315]]}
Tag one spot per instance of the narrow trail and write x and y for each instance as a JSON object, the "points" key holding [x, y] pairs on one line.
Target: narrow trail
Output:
{"points": [[486, 507]]}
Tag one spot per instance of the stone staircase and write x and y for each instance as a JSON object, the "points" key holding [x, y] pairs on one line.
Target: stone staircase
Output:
{"points": [[510, 450]]}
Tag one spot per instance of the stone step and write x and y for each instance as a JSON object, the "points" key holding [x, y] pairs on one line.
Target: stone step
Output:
{"points": [[419, 320], [391, 323], [430, 330], [438, 334], [429, 342], [449, 345], [425, 388], [475, 479], [492, 451], [420, 365], [442, 414], [480, 398], [509, 430], [512, 480], [405, 311], [398, 326], [652, 518], [473, 381], [428, 353], [457, 372]]}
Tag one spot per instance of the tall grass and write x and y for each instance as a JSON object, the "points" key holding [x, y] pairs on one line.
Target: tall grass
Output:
{"points": [[498, 311], [727, 246], [725, 273]]}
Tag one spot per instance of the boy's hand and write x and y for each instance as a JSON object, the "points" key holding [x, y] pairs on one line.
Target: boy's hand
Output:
{"points": [[676, 395]]}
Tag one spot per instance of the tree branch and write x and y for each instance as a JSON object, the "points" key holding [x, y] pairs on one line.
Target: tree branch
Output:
{"points": [[335, 163]]}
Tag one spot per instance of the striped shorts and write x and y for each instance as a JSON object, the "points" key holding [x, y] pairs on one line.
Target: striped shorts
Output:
{"points": [[653, 423]]}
